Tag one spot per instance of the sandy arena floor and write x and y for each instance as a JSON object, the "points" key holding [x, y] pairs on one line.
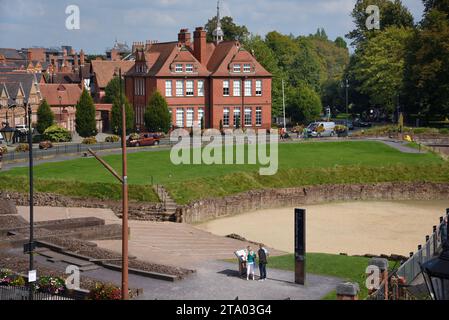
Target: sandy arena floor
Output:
{"points": [[381, 227]]}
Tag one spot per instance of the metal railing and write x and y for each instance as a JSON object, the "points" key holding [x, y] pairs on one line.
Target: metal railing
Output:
{"points": [[23, 293], [61, 150], [410, 269]]}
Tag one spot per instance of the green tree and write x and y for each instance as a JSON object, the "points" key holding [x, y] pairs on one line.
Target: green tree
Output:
{"points": [[304, 104], [157, 116], [116, 115], [231, 30], [341, 43], [392, 13], [112, 90], [427, 70], [45, 117], [306, 67], [380, 67], [284, 48], [86, 125]]}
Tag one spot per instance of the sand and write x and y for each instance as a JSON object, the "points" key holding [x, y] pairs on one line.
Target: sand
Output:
{"points": [[380, 227]]}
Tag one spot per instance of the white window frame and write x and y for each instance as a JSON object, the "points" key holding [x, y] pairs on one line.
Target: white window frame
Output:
{"points": [[168, 88], [190, 88], [190, 113], [248, 117], [237, 68], [178, 68], [200, 116], [237, 88], [189, 68], [180, 88], [200, 88], [258, 88], [226, 88], [239, 120], [246, 68], [248, 88], [226, 117], [259, 116], [180, 117]]}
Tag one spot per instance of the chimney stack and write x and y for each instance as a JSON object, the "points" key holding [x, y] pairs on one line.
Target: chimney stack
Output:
{"points": [[199, 37], [184, 37], [82, 57]]}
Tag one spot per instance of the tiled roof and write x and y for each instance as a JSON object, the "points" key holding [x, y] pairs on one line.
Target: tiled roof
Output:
{"points": [[69, 93], [14, 79], [104, 71], [66, 77]]}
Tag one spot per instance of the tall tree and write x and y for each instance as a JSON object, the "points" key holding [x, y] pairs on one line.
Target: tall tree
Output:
{"points": [[380, 67], [86, 125], [427, 71], [45, 117], [392, 13], [112, 90], [231, 30], [304, 104], [157, 116], [116, 115], [341, 43]]}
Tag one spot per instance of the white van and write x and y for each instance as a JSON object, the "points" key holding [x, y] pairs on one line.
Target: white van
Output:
{"points": [[321, 129]]}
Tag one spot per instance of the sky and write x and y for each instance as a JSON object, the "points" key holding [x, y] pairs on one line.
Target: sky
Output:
{"points": [[27, 23]]}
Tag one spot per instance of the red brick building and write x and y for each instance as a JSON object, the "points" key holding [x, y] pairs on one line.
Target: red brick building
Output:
{"points": [[220, 81]]}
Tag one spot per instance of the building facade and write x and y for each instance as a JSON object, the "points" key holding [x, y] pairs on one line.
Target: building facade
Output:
{"points": [[219, 83]]}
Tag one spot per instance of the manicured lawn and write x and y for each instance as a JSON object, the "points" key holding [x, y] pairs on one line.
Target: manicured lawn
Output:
{"points": [[299, 164], [345, 267]]}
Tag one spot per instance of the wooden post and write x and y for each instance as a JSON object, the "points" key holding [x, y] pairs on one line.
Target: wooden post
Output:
{"points": [[300, 246]]}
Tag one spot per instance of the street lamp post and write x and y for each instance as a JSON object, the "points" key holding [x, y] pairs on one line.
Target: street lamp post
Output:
{"points": [[30, 156]]}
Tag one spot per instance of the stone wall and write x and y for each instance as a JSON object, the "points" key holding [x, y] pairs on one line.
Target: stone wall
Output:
{"points": [[203, 210]]}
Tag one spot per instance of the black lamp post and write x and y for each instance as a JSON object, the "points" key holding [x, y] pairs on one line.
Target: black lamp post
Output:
{"points": [[436, 271]]}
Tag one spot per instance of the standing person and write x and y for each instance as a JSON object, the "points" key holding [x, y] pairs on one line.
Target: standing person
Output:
{"points": [[250, 263], [262, 253]]}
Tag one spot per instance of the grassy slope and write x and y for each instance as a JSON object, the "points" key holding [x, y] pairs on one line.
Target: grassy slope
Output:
{"points": [[300, 164]]}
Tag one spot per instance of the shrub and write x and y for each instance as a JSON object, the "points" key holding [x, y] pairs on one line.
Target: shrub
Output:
{"points": [[105, 292], [134, 136], [90, 140], [444, 131], [112, 139], [56, 133], [19, 281], [23, 147], [52, 285], [86, 125], [3, 149], [157, 115], [6, 277]]}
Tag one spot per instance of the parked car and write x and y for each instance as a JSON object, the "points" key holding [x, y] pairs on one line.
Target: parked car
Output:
{"points": [[22, 128], [347, 123], [321, 129], [143, 139], [361, 124]]}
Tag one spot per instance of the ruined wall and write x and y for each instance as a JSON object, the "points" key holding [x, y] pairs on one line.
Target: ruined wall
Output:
{"points": [[203, 210]]}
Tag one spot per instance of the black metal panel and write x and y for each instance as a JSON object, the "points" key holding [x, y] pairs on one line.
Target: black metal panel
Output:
{"points": [[300, 246]]}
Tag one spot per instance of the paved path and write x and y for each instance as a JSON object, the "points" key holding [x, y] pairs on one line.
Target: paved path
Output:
{"points": [[215, 280]]}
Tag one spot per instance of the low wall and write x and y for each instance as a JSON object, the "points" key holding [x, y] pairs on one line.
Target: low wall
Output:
{"points": [[203, 210]]}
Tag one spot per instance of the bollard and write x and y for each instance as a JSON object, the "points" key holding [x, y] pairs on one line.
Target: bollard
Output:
{"points": [[348, 291], [382, 264]]}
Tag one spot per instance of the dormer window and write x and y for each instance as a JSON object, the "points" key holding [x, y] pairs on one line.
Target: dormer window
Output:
{"points": [[246, 68], [178, 68], [237, 68], [189, 68]]}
